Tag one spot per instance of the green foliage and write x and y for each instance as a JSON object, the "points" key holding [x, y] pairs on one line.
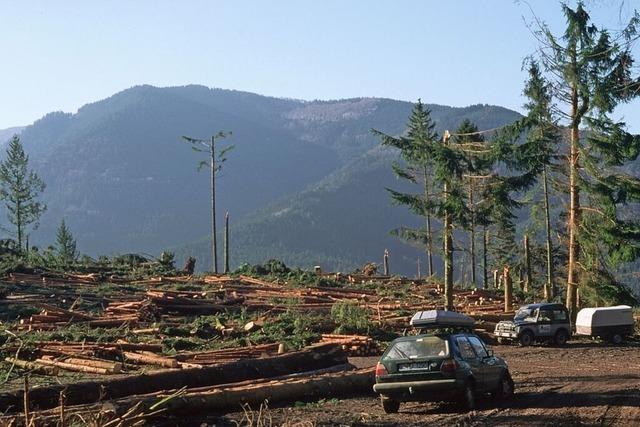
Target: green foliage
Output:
{"points": [[66, 250], [351, 318], [19, 190], [589, 73]]}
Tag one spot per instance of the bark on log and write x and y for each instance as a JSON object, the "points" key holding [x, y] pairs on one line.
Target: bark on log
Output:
{"points": [[313, 357]]}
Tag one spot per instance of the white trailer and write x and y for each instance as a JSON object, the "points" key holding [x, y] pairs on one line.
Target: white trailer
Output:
{"points": [[610, 323]]}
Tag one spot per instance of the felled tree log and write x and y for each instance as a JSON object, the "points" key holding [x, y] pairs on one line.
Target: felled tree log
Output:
{"points": [[314, 357], [350, 383]]}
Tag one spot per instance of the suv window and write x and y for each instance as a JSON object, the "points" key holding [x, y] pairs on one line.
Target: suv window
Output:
{"points": [[560, 315], [545, 316], [478, 346], [466, 350]]}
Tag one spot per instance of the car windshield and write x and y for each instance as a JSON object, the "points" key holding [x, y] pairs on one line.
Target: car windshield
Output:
{"points": [[423, 347], [523, 313]]}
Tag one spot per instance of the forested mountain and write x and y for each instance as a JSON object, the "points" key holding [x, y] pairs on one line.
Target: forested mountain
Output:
{"points": [[6, 134], [305, 182]]}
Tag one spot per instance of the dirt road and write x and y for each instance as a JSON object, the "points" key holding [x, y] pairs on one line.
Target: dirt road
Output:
{"points": [[583, 384]]}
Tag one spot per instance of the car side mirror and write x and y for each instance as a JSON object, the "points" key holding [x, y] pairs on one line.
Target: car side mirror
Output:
{"points": [[490, 353]]}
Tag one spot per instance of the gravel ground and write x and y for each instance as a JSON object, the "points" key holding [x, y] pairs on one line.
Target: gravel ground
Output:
{"points": [[583, 384]]}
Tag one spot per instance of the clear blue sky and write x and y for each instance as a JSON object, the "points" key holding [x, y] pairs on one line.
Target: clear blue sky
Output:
{"points": [[59, 55]]}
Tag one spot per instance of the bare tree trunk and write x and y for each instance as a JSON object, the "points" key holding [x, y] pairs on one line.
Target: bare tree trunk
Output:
{"points": [[429, 233], [527, 265], [386, 262], [448, 257], [574, 209], [548, 287], [485, 242], [19, 225], [472, 236], [214, 242], [226, 242], [508, 289]]}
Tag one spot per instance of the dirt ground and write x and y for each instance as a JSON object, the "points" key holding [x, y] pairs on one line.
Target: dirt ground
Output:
{"points": [[583, 384]]}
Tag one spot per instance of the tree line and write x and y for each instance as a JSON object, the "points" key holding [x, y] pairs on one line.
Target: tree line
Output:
{"points": [[20, 191], [566, 164]]}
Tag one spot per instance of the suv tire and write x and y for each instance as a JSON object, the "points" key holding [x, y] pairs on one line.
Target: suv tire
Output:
{"points": [[468, 398], [526, 338], [505, 388], [390, 406], [561, 337]]}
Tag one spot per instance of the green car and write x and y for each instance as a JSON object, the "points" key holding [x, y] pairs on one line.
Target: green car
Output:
{"points": [[440, 366]]}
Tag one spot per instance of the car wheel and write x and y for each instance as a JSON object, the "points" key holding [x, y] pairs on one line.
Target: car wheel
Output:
{"points": [[526, 338], [561, 337], [469, 396], [616, 339], [390, 406], [500, 340], [505, 389]]}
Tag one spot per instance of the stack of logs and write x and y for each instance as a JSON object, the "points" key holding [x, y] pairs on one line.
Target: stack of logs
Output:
{"points": [[119, 357], [353, 345]]}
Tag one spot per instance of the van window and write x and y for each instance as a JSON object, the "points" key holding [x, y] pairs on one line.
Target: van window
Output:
{"points": [[545, 316], [559, 315]]}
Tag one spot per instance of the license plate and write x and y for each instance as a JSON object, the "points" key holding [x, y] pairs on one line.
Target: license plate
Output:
{"points": [[416, 366]]}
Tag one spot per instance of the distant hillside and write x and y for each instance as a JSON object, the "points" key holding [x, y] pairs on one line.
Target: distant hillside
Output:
{"points": [[344, 220], [304, 183], [6, 134]]}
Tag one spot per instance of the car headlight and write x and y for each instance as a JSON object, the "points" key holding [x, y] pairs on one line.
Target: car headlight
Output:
{"points": [[517, 329]]}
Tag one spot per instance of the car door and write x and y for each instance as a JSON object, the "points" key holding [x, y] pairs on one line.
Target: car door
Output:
{"points": [[543, 322], [469, 356], [491, 370]]}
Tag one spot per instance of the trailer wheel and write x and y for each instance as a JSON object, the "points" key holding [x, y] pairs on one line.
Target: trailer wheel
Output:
{"points": [[617, 339]]}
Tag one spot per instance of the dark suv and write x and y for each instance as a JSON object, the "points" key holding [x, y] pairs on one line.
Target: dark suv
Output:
{"points": [[536, 322], [440, 366]]}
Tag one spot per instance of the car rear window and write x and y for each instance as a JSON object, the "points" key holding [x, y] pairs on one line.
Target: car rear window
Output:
{"points": [[419, 348]]}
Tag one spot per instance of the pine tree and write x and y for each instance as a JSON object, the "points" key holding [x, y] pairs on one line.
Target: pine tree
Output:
{"points": [[448, 164], [19, 189], [417, 168], [589, 70], [66, 251]]}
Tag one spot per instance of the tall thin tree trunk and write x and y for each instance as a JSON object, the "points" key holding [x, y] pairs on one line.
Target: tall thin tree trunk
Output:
{"points": [[214, 242], [485, 242], [548, 287], [19, 225], [226, 242], [448, 256], [527, 265], [473, 235], [508, 289], [429, 233], [386, 262], [574, 209]]}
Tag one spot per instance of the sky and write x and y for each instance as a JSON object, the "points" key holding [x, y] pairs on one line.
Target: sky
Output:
{"points": [[60, 55]]}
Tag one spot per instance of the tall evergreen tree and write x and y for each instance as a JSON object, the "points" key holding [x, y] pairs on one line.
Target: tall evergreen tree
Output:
{"points": [[19, 190], [448, 164], [589, 70], [66, 250], [417, 168]]}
